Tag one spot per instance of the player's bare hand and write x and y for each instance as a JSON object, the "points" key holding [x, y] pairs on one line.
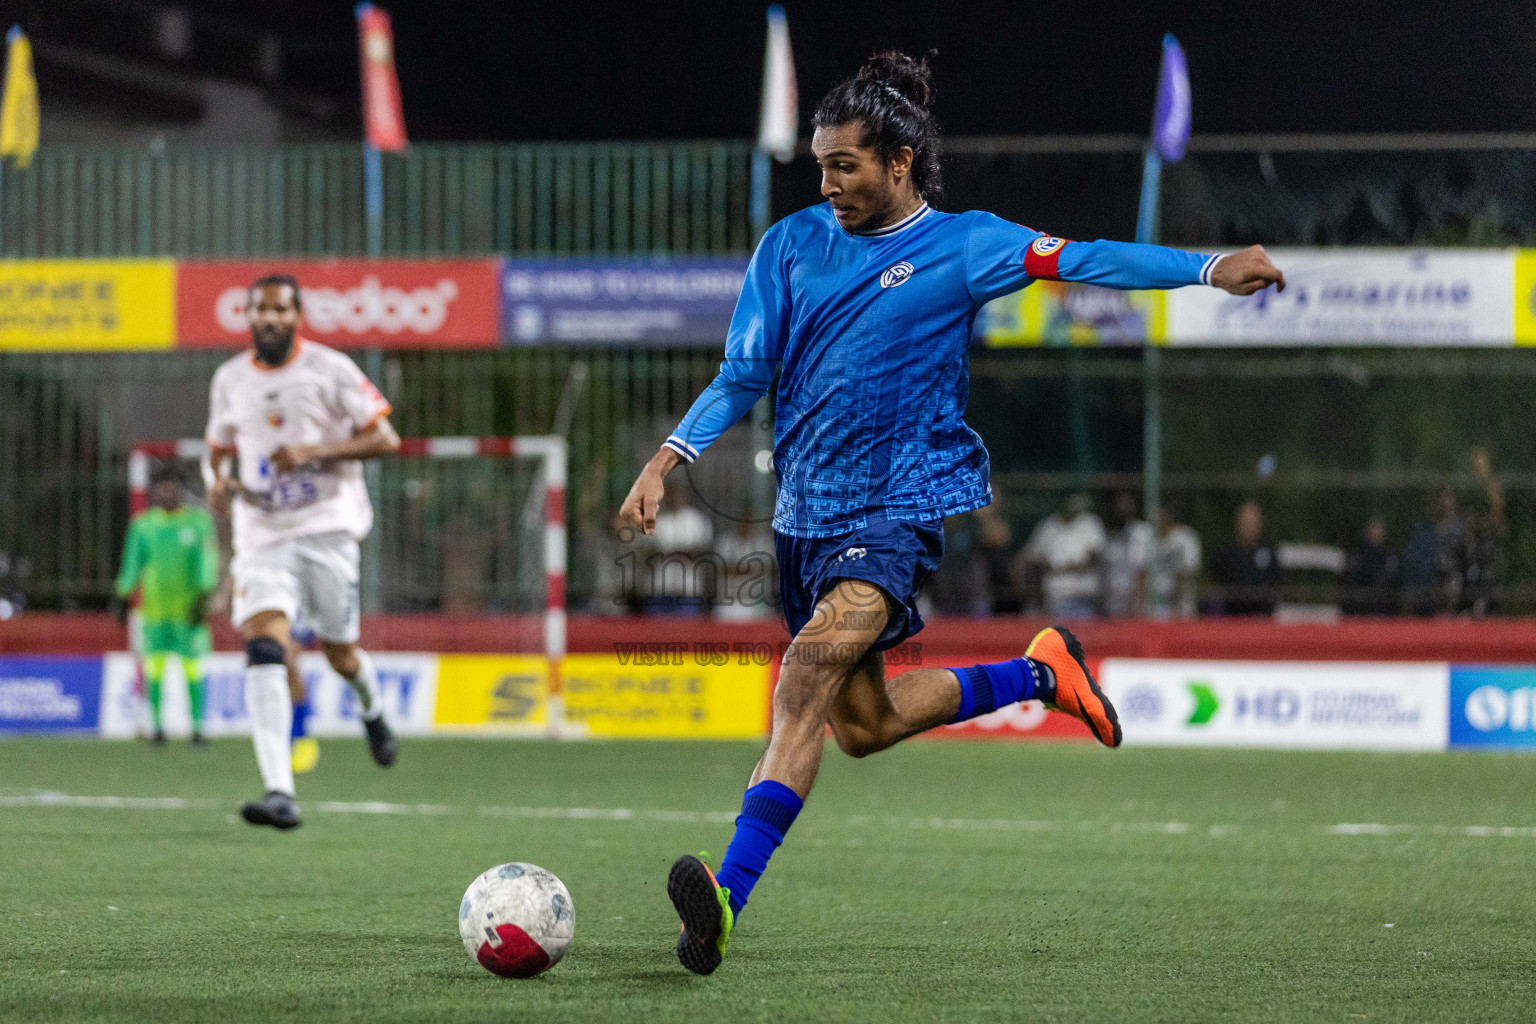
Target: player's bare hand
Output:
{"points": [[291, 456], [1246, 272], [639, 508], [222, 493]]}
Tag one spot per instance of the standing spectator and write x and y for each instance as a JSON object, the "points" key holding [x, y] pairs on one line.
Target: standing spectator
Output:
{"points": [[1482, 544], [1171, 569], [994, 544], [1247, 571], [1127, 549], [685, 571], [1371, 574], [1063, 555], [749, 589], [1450, 533]]}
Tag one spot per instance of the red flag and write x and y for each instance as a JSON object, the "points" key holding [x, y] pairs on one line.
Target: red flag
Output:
{"points": [[382, 114]]}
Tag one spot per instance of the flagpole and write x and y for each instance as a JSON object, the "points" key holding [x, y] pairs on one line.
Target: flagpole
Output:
{"points": [[1151, 351], [762, 188], [1151, 358], [373, 199]]}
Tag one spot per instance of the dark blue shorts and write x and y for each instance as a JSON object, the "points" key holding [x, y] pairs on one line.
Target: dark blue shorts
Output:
{"points": [[896, 557]]}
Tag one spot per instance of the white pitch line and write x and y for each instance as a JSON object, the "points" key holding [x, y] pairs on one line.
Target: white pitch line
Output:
{"points": [[132, 803], [50, 798], [1474, 831]]}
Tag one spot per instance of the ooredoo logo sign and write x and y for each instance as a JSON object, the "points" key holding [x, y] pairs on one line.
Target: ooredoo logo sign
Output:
{"points": [[388, 303]]}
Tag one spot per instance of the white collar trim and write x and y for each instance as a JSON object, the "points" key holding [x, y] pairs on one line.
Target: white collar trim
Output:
{"points": [[891, 229]]}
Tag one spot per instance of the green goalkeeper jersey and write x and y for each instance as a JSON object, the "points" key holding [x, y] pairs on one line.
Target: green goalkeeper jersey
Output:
{"points": [[174, 558]]}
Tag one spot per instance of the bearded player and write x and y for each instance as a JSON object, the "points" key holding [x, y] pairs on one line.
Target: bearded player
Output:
{"points": [[299, 417], [867, 302]]}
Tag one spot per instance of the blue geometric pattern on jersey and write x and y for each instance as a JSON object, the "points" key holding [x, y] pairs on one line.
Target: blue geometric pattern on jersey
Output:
{"points": [[873, 334]]}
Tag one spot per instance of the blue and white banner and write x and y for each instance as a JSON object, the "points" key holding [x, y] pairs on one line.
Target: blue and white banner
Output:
{"points": [[616, 301], [50, 694], [1276, 704], [1493, 706], [1359, 297], [408, 683]]}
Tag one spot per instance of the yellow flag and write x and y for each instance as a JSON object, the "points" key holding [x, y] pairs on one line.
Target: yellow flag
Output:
{"points": [[18, 108]]}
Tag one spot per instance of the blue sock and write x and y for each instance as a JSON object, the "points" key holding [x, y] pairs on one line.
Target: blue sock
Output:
{"points": [[767, 811], [985, 688], [300, 720]]}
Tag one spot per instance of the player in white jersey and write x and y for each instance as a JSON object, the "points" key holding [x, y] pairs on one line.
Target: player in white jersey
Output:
{"points": [[297, 417]]}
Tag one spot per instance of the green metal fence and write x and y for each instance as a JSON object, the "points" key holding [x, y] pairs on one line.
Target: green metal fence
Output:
{"points": [[537, 199]]}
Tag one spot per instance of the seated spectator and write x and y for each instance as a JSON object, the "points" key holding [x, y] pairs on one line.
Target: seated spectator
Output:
{"points": [[1062, 557], [1371, 574], [1172, 566], [1246, 573], [1127, 548]]}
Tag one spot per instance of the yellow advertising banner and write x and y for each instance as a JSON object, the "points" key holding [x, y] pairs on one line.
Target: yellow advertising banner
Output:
{"points": [[1055, 313], [1525, 296], [492, 693], [684, 700], [82, 305]]}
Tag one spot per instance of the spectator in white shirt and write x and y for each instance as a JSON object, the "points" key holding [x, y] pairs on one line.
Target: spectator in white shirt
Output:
{"points": [[1063, 555], [1171, 569], [1127, 549]]}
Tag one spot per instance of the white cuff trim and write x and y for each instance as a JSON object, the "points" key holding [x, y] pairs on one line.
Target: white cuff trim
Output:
{"points": [[1210, 265], [682, 447]]}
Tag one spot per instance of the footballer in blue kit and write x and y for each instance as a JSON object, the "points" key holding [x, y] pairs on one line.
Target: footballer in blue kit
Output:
{"points": [[865, 305]]}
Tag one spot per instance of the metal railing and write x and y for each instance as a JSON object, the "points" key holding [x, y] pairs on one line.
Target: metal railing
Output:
{"points": [[307, 200]]}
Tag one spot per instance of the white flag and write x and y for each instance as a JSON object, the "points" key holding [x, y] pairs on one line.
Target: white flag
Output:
{"points": [[781, 99]]}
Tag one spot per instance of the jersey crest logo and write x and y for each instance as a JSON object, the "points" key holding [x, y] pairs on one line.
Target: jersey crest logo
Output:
{"points": [[897, 274], [275, 417], [1046, 244]]}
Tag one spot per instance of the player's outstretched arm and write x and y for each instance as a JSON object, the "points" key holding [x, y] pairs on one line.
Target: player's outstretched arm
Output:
{"points": [[1246, 272], [376, 442]]}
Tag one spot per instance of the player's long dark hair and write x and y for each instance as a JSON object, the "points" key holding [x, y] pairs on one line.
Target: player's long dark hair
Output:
{"points": [[890, 95]]}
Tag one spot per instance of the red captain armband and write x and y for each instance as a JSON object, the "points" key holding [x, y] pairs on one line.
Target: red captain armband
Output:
{"points": [[1041, 256]]}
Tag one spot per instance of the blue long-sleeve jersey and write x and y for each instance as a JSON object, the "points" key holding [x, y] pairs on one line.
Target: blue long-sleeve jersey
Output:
{"points": [[872, 331]]}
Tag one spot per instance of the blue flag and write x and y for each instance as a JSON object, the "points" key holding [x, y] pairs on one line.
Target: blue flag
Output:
{"points": [[1170, 128]]}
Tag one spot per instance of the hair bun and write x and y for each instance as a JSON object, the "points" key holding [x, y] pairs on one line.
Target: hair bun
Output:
{"points": [[909, 77]]}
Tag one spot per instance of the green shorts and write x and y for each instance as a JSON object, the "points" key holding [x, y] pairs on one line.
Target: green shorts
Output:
{"points": [[169, 636]]}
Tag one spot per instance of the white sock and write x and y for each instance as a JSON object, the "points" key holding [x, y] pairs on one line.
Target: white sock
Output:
{"points": [[271, 709], [366, 685]]}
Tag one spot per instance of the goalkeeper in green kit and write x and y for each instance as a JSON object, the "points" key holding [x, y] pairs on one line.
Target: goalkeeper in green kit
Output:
{"points": [[172, 556]]}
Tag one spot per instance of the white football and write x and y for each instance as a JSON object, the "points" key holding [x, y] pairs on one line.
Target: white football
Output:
{"points": [[517, 920]]}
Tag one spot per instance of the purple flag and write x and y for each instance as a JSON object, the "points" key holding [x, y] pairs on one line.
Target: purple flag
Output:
{"points": [[1170, 129]]}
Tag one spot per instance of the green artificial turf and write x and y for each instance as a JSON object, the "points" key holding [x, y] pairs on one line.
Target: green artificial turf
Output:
{"points": [[937, 881]]}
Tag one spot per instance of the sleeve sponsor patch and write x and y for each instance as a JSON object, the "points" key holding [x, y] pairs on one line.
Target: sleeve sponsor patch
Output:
{"points": [[1041, 256]]}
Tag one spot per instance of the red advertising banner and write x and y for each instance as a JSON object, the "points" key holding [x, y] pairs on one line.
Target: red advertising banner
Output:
{"points": [[382, 114], [349, 303]]}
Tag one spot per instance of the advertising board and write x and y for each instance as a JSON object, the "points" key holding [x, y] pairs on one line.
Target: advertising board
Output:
{"points": [[612, 301], [50, 694], [407, 684], [1301, 705], [83, 305], [348, 303]]}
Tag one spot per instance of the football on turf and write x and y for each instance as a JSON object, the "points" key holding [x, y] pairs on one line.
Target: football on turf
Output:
{"points": [[517, 920]]}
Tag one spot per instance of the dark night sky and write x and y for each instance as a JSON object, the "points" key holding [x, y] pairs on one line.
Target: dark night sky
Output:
{"points": [[658, 70]]}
